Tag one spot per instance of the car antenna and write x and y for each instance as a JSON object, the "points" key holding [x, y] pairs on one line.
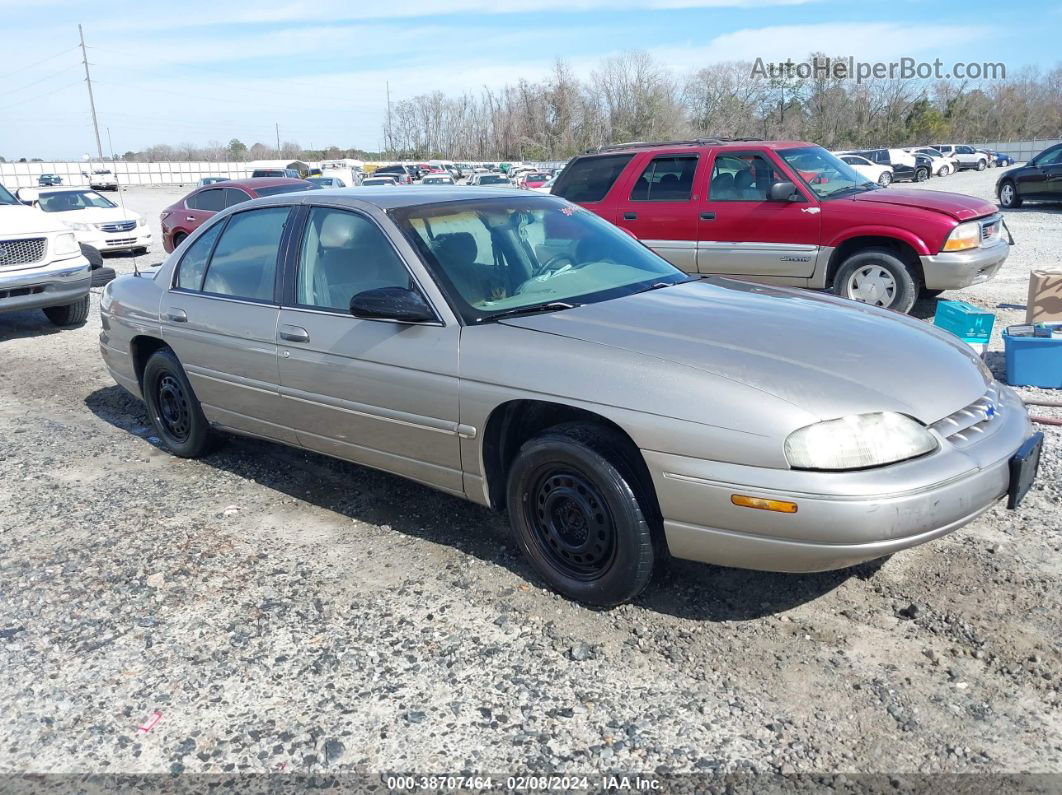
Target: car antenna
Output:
{"points": [[121, 201]]}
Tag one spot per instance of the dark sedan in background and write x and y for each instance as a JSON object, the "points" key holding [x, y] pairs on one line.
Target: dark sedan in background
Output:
{"points": [[1039, 180], [183, 217]]}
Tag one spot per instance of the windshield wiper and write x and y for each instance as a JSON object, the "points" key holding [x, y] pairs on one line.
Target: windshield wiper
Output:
{"points": [[533, 309], [862, 187]]}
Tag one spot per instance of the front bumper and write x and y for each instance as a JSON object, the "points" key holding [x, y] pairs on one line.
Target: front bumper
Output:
{"points": [[56, 284], [954, 269], [138, 237], [843, 518]]}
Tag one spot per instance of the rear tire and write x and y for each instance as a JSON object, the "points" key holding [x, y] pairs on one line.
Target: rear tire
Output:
{"points": [[179, 238], [878, 277], [981, 165], [580, 516], [885, 179], [921, 174], [173, 408], [944, 171], [74, 314]]}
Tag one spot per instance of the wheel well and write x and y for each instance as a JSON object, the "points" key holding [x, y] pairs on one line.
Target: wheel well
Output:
{"points": [[856, 244], [513, 423], [141, 348]]}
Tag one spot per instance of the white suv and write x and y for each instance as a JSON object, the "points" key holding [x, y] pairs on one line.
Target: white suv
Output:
{"points": [[41, 264], [967, 156], [102, 179]]}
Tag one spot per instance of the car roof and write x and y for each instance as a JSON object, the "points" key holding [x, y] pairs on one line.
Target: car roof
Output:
{"points": [[259, 182], [699, 143], [387, 199]]}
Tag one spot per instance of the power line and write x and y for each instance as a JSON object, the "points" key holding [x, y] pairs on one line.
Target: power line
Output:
{"points": [[40, 96], [38, 80], [37, 63]]}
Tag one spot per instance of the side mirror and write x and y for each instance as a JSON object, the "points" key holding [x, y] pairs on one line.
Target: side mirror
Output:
{"points": [[783, 192], [28, 195], [391, 303]]}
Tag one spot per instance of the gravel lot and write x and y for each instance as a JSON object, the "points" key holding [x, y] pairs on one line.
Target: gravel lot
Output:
{"points": [[287, 612]]}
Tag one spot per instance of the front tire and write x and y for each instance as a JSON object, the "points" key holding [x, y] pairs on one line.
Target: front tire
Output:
{"points": [[877, 277], [944, 171], [885, 179], [578, 513], [921, 174], [1008, 196], [173, 407], [69, 315]]}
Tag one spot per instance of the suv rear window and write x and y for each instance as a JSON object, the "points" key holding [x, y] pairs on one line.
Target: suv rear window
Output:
{"points": [[588, 179]]}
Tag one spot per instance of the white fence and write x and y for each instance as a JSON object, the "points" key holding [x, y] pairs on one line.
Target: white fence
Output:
{"points": [[1019, 150], [24, 175]]}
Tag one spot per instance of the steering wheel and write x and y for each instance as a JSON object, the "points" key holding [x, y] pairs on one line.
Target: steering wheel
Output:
{"points": [[552, 264]]}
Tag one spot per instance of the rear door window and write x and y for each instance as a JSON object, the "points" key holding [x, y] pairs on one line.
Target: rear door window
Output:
{"points": [[666, 179], [244, 262], [211, 200], [235, 196], [589, 179]]}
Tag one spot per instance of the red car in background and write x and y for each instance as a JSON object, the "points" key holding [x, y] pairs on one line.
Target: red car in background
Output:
{"points": [[182, 218], [534, 180]]}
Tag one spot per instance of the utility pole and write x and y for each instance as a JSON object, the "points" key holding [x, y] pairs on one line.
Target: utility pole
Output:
{"points": [[278, 138], [88, 82], [390, 136], [110, 145]]}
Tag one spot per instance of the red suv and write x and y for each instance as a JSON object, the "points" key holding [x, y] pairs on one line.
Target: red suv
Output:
{"points": [[182, 218], [790, 213]]}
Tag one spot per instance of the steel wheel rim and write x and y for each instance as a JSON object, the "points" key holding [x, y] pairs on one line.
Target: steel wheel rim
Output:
{"points": [[1006, 194], [173, 413], [872, 284], [884, 179], [571, 523]]}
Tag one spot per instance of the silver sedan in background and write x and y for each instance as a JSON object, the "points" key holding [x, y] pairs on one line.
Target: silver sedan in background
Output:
{"points": [[518, 351]]}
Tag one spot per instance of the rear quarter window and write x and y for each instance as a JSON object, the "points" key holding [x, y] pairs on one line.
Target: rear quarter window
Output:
{"points": [[589, 179]]}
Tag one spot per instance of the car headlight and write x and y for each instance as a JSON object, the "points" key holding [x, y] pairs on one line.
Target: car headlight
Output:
{"points": [[964, 236], [80, 227], [858, 441], [141, 222], [65, 245]]}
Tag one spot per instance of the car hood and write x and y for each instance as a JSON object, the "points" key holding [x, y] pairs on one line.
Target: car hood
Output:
{"points": [[96, 215], [826, 355], [956, 205], [21, 219]]}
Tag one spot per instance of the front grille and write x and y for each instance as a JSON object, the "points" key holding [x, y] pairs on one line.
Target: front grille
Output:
{"points": [[15, 292], [117, 226], [991, 228], [21, 252], [968, 424], [120, 241]]}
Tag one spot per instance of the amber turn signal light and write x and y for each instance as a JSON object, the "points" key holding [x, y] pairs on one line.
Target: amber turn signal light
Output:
{"points": [[764, 505]]}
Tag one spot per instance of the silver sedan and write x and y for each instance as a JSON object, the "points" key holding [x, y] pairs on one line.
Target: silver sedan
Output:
{"points": [[518, 351]]}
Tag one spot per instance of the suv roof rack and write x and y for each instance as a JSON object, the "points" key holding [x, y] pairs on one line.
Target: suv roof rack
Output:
{"points": [[713, 141]]}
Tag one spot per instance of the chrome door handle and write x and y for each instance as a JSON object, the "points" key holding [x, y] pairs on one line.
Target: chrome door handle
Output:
{"points": [[177, 315], [294, 334]]}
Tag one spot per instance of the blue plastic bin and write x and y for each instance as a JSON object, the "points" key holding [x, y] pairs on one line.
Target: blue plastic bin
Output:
{"points": [[966, 321], [1033, 361]]}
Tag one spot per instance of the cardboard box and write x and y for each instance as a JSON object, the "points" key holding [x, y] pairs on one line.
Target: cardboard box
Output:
{"points": [[1045, 297]]}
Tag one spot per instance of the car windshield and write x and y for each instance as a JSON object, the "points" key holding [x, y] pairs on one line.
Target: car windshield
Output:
{"points": [[276, 189], [536, 178], [828, 176], [6, 197], [493, 179], [67, 200], [499, 256]]}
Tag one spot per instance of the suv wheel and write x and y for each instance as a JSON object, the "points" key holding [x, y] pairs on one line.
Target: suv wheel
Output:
{"points": [[877, 277], [1008, 195], [921, 174], [885, 179], [178, 238], [575, 509], [173, 407], [981, 165], [944, 171], [70, 314]]}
